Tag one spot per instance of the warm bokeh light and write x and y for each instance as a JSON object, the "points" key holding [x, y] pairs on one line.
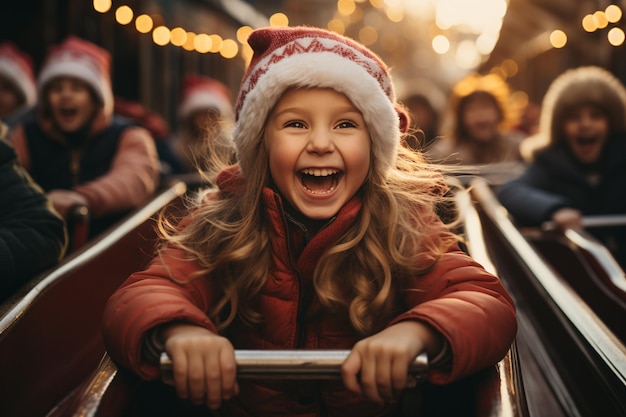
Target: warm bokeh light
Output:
{"points": [[178, 36], [279, 20], [229, 49], [395, 14], [216, 43], [102, 6], [601, 19], [368, 35], [558, 39], [486, 42], [242, 34], [161, 35], [144, 23], [337, 26], [379, 4], [346, 7], [616, 36], [519, 99], [613, 13], [499, 71], [467, 56], [190, 42], [475, 16], [202, 43], [356, 16], [510, 67], [589, 23], [124, 15], [441, 44]]}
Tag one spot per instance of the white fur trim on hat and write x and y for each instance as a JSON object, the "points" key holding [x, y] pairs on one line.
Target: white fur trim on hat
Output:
{"points": [[204, 100], [17, 75], [583, 85], [69, 64], [325, 68]]}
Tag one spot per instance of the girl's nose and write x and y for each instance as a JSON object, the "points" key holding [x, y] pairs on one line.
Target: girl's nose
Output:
{"points": [[320, 141]]}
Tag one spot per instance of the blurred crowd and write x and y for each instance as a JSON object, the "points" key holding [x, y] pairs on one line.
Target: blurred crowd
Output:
{"points": [[72, 150]]}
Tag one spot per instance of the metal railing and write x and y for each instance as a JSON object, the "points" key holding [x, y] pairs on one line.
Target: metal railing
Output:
{"points": [[296, 364]]}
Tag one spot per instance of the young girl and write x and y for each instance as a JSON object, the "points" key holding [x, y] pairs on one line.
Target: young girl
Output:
{"points": [[578, 158], [323, 236]]}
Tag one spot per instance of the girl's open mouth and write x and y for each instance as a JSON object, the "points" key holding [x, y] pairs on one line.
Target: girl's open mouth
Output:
{"points": [[320, 181]]}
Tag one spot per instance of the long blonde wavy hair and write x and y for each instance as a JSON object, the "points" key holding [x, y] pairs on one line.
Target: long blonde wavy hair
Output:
{"points": [[361, 274]]}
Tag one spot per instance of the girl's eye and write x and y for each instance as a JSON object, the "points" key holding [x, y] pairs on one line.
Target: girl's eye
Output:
{"points": [[296, 124], [346, 124]]}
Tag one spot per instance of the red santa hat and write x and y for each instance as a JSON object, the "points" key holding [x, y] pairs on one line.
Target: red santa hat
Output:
{"points": [[202, 93], [286, 57], [17, 67], [81, 59]]}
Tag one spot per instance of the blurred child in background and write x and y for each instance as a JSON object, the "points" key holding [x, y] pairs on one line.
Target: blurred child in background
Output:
{"points": [[75, 150], [577, 161], [205, 113], [478, 128], [17, 84]]}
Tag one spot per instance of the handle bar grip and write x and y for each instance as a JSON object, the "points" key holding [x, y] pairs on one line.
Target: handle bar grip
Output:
{"points": [[295, 364]]}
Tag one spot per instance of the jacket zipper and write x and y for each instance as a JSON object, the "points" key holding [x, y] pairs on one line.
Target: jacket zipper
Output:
{"points": [[75, 166], [300, 340], [300, 332]]}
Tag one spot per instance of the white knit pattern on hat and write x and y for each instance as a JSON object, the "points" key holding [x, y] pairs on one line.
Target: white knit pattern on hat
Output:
{"points": [[315, 61]]}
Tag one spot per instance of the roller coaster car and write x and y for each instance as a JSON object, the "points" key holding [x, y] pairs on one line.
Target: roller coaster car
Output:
{"points": [[55, 365], [569, 294], [50, 338]]}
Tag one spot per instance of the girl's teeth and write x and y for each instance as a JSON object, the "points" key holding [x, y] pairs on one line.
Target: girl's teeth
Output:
{"points": [[319, 172]]}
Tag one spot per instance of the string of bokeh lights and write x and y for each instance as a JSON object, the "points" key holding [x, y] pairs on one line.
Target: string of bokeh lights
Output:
{"points": [[348, 13]]}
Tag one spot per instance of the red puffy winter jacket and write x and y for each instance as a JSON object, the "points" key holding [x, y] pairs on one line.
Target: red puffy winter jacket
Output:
{"points": [[469, 306]]}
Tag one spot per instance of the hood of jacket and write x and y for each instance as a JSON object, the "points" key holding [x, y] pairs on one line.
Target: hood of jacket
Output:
{"points": [[584, 85]]}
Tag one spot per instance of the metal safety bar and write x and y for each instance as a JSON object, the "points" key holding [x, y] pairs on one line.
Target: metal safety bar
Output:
{"points": [[295, 364], [588, 222], [601, 254]]}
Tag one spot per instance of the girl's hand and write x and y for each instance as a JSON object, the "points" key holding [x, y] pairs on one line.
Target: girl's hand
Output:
{"points": [[377, 367], [203, 364]]}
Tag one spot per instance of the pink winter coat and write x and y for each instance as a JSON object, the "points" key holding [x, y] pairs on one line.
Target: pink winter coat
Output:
{"points": [[469, 306], [134, 174]]}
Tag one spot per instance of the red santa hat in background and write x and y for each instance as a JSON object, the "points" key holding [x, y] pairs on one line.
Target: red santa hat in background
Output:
{"points": [[81, 59], [306, 57], [202, 93], [17, 67]]}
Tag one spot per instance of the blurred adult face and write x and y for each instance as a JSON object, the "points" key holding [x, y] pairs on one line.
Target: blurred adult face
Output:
{"points": [[586, 129], [72, 105], [481, 119]]}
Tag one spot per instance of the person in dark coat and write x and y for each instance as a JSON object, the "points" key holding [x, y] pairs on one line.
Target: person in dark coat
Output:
{"points": [[32, 234], [577, 160]]}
